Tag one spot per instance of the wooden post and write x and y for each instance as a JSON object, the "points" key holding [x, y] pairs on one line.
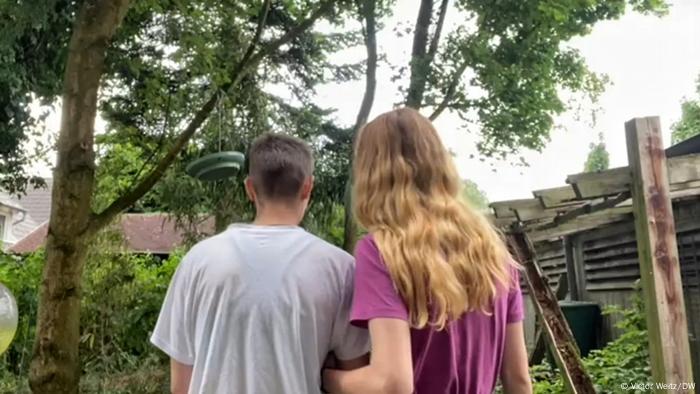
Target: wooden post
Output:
{"points": [[658, 255], [571, 268], [554, 325]]}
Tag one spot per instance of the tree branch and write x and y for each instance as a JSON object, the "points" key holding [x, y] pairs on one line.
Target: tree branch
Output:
{"points": [[258, 33], [418, 55], [451, 89], [248, 62], [432, 51]]}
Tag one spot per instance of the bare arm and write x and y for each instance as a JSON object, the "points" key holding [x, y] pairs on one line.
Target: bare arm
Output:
{"points": [[180, 375], [515, 375], [390, 370]]}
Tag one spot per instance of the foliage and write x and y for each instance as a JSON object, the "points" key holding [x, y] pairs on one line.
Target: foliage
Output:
{"points": [[473, 195], [689, 124], [123, 293], [156, 90], [507, 73], [624, 360], [33, 43], [598, 157], [330, 228], [22, 276]]}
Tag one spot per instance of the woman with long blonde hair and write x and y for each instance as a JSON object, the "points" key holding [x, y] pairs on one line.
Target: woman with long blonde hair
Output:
{"points": [[434, 282]]}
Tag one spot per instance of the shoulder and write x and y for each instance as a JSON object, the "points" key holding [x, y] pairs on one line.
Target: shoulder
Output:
{"points": [[207, 247], [326, 249], [366, 244], [367, 254], [205, 252]]}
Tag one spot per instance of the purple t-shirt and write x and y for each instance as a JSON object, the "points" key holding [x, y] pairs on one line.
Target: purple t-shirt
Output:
{"points": [[465, 357]]}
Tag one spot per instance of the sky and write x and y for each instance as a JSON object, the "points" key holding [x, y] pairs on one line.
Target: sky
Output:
{"points": [[652, 63]]}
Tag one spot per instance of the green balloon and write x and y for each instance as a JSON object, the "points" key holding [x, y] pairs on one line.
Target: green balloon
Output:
{"points": [[8, 318]]}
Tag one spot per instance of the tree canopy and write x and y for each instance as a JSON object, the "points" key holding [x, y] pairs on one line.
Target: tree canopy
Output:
{"points": [[473, 195], [689, 123], [598, 157]]}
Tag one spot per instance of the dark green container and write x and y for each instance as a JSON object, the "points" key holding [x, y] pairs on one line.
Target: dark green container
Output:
{"points": [[584, 319]]}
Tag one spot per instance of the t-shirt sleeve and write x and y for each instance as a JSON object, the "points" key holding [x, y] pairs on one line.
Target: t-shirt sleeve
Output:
{"points": [[349, 342], [375, 295], [515, 299], [174, 331]]}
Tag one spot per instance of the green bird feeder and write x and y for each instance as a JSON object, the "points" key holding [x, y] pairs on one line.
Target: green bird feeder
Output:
{"points": [[216, 166]]}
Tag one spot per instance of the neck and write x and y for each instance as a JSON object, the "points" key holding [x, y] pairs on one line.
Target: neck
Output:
{"points": [[277, 216]]}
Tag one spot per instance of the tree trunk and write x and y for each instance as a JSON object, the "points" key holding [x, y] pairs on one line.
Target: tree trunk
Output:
{"points": [[419, 65], [423, 54], [367, 11], [55, 366]]}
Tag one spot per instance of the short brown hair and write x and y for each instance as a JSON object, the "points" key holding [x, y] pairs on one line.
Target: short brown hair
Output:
{"points": [[278, 165]]}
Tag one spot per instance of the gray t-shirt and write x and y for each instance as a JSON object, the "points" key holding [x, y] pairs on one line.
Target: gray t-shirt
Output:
{"points": [[256, 309]]}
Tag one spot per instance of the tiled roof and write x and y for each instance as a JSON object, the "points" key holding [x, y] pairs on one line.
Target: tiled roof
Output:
{"points": [[145, 233]]}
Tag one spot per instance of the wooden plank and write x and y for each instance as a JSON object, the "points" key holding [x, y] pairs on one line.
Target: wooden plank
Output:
{"points": [[583, 223], [685, 193], [577, 241], [554, 325], [550, 250], [505, 209], [617, 273], [585, 209], [540, 347], [570, 262], [684, 169], [500, 222], [552, 263], [658, 254], [526, 210], [532, 209], [615, 252], [611, 285], [612, 264], [590, 185], [556, 196]]}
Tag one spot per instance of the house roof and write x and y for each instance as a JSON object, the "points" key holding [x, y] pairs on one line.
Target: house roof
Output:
{"points": [[155, 233], [687, 147], [7, 201], [36, 208]]}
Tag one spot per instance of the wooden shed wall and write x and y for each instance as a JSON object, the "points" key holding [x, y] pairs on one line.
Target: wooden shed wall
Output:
{"points": [[608, 256]]}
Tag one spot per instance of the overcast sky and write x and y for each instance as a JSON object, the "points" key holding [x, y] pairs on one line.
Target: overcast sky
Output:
{"points": [[652, 63]]}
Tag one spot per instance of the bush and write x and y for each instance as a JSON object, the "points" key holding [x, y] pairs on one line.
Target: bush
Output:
{"points": [[624, 360], [23, 277], [122, 295]]}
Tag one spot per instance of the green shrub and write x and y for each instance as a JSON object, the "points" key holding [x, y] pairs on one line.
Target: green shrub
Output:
{"points": [[22, 275], [624, 360], [122, 295]]}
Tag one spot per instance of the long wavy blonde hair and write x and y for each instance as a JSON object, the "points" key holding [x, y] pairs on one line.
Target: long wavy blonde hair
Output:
{"points": [[444, 257]]}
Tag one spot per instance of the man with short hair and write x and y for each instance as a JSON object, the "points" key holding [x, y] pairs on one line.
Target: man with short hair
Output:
{"points": [[257, 308]]}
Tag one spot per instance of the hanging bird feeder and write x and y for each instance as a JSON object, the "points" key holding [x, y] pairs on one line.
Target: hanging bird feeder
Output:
{"points": [[220, 165], [216, 166]]}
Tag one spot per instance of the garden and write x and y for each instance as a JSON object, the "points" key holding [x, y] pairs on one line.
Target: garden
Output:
{"points": [[110, 104]]}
